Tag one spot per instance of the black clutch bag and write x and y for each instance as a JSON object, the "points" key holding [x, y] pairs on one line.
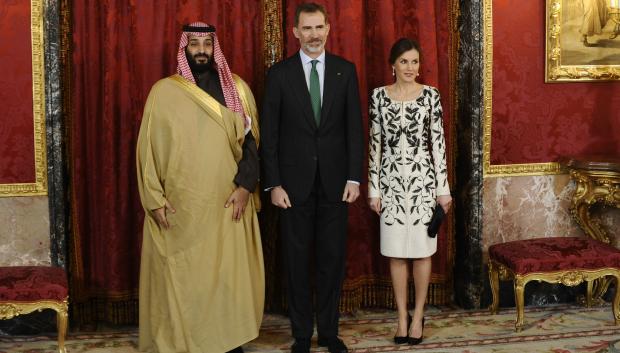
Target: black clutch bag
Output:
{"points": [[436, 219]]}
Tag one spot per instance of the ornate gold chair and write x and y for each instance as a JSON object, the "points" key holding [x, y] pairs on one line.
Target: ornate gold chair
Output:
{"points": [[566, 260], [24, 289]]}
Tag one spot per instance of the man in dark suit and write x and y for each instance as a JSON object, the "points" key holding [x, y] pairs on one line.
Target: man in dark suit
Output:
{"points": [[312, 154]]}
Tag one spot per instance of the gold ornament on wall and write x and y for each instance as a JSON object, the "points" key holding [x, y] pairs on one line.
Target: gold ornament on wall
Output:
{"points": [[501, 170]]}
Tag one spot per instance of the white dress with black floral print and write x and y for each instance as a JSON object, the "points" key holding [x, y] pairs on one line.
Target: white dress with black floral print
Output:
{"points": [[401, 171]]}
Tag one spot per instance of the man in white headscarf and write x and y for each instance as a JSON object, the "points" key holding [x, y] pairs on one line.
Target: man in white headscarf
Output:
{"points": [[201, 275]]}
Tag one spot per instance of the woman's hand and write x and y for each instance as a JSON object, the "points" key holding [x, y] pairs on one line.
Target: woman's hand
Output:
{"points": [[375, 204], [445, 201]]}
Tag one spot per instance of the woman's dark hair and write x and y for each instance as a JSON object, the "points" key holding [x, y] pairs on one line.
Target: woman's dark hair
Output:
{"points": [[402, 45]]}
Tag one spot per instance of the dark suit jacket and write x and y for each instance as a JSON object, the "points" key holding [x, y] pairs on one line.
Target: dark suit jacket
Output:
{"points": [[293, 148]]}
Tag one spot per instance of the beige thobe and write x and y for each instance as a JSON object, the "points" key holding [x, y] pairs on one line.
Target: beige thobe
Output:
{"points": [[202, 280]]}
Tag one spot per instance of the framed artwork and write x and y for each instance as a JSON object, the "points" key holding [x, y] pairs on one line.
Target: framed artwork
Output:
{"points": [[582, 40]]}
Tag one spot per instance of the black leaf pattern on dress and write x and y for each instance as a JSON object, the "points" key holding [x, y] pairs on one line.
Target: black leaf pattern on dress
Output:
{"points": [[401, 168]]}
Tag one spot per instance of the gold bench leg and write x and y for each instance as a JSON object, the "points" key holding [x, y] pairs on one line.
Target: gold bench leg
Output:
{"points": [[590, 285], [494, 281], [616, 304], [519, 286], [61, 321]]}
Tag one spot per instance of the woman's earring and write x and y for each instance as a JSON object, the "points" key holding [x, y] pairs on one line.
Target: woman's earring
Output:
{"points": [[393, 71], [418, 74]]}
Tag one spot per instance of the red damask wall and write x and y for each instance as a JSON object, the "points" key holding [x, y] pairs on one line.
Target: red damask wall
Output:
{"points": [[16, 121], [534, 121]]}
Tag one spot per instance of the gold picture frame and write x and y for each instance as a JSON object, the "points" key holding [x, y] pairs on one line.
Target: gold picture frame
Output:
{"points": [[39, 186], [582, 40], [501, 170]]}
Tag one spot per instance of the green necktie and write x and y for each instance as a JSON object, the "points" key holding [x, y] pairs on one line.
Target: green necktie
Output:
{"points": [[315, 92]]}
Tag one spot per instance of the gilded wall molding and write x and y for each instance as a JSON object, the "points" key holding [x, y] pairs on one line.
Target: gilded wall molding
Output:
{"points": [[501, 170], [39, 187], [507, 170]]}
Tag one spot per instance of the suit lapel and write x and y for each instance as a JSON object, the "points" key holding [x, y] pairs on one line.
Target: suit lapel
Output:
{"points": [[329, 86], [300, 87]]}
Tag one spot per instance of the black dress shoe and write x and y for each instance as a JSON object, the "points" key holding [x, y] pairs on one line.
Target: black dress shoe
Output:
{"points": [[322, 341], [417, 340], [404, 339], [301, 346], [333, 344]]}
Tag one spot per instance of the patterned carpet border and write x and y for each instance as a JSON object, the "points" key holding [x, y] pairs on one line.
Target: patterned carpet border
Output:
{"points": [[550, 329]]}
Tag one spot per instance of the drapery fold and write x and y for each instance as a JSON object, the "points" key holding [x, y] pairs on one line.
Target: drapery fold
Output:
{"points": [[120, 48]]}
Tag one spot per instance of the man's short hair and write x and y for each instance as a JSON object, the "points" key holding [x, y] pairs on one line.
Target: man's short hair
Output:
{"points": [[309, 7]]}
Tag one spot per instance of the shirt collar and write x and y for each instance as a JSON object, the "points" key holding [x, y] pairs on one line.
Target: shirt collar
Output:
{"points": [[305, 59]]}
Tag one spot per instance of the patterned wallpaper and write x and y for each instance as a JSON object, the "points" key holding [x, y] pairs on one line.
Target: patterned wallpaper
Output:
{"points": [[535, 206], [24, 235]]}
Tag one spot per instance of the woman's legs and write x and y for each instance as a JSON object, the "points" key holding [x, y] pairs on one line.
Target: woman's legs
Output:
{"points": [[421, 279], [399, 272]]}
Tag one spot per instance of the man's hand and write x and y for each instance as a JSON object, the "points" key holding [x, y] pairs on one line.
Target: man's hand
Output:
{"points": [[279, 197], [239, 199], [375, 204], [160, 215], [445, 201], [351, 192]]}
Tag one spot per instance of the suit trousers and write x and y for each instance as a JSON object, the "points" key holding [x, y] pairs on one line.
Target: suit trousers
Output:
{"points": [[314, 232]]}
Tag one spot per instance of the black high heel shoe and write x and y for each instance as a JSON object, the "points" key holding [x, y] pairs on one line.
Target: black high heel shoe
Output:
{"points": [[404, 339], [413, 340]]}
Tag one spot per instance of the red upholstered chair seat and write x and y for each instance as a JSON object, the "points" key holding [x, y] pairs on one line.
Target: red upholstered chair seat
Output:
{"points": [[32, 283], [555, 254], [566, 260]]}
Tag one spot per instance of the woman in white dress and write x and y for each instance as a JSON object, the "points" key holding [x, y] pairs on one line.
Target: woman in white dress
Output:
{"points": [[407, 177]]}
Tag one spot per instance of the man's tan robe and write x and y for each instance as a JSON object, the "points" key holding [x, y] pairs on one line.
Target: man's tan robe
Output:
{"points": [[202, 280]]}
